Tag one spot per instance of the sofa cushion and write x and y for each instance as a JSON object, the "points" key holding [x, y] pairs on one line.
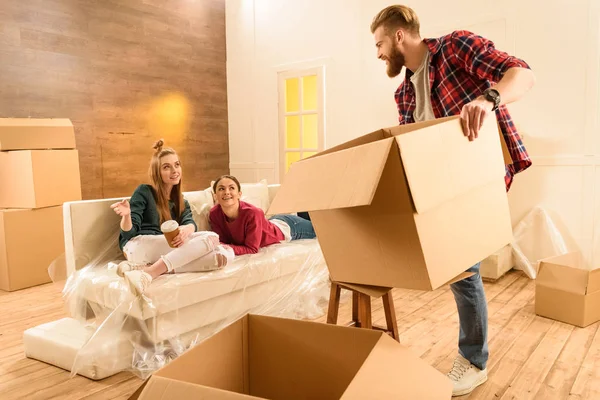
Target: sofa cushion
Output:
{"points": [[201, 202], [256, 194]]}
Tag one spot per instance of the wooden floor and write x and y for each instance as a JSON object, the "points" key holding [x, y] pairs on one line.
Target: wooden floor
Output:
{"points": [[530, 357]]}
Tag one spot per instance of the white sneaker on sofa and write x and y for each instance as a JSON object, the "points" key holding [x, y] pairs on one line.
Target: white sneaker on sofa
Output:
{"points": [[465, 376], [125, 266], [138, 281]]}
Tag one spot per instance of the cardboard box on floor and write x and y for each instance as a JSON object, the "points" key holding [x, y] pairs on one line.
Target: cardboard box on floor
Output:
{"points": [[39, 178], [36, 134], [260, 357], [30, 240], [568, 291], [412, 206]]}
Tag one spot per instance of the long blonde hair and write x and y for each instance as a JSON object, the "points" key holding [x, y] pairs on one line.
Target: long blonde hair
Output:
{"points": [[162, 198]]}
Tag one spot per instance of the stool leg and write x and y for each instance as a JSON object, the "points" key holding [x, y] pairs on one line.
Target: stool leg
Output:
{"points": [[334, 303], [364, 311], [390, 315], [355, 314]]}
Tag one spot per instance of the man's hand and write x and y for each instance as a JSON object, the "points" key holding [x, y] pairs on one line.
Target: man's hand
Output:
{"points": [[472, 116]]}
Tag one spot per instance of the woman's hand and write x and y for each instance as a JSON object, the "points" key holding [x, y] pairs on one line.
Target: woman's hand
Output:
{"points": [[121, 208], [185, 231]]}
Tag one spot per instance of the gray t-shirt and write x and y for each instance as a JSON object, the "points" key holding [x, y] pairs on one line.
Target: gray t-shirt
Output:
{"points": [[420, 81]]}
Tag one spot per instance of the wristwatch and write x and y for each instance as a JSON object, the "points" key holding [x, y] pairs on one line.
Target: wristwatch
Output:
{"points": [[492, 95]]}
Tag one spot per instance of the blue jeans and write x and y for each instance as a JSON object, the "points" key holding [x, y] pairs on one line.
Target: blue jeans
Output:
{"points": [[300, 228], [473, 316]]}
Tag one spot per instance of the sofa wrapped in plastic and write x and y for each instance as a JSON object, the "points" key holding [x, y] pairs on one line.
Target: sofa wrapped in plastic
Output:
{"points": [[120, 331]]}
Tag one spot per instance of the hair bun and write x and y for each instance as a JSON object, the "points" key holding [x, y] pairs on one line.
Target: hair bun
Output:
{"points": [[158, 145]]}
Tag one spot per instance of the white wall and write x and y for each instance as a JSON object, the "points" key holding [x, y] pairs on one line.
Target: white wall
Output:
{"points": [[560, 39]]}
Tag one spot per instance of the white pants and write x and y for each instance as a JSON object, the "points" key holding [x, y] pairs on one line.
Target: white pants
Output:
{"points": [[195, 255]]}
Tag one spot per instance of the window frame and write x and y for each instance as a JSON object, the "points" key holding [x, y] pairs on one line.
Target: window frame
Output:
{"points": [[282, 113]]}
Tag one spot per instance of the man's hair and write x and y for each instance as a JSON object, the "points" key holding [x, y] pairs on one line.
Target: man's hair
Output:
{"points": [[394, 17]]}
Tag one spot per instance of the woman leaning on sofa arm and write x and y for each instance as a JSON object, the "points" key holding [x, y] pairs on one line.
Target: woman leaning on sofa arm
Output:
{"points": [[141, 239], [244, 227]]}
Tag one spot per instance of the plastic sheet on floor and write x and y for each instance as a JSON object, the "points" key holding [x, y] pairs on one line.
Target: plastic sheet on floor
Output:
{"points": [[536, 237]]}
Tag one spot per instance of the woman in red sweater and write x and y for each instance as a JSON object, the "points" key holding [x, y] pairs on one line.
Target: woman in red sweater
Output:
{"points": [[244, 227]]}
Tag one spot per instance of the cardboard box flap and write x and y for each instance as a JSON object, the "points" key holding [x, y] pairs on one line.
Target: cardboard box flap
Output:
{"points": [[562, 276], [347, 178], [223, 362], [572, 259], [594, 281], [441, 163], [292, 359], [159, 388], [393, 372], [359, 141]]}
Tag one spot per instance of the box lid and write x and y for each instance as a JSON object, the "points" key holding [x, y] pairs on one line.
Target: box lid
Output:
{"points": [[36, 134], [346, 178], [440, 163], [161, 388], [389, 362], [568, 272]]}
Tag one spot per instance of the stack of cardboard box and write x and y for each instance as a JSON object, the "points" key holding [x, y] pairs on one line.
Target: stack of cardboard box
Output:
{"points": [[39, 171]]}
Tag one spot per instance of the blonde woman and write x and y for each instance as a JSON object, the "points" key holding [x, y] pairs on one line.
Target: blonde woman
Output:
{"points": [[141, 239]]}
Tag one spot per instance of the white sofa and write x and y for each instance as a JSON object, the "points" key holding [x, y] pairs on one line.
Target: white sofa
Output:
{"points": [[119, 331]]}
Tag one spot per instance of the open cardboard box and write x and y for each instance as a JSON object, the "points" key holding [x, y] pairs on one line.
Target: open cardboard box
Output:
{"points": [[259, 357], [412, 206], [567, 290]]}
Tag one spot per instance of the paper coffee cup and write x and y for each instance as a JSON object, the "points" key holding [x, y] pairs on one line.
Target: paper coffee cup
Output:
{"points": [[170, 229]]}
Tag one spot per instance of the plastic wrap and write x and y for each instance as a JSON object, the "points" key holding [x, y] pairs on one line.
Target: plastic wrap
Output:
{"points": [[142, 334], [536, 237]]}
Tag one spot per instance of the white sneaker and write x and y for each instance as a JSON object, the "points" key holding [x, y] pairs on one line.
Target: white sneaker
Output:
{"points": [[465, 376], [138, 281], [125, 266]]}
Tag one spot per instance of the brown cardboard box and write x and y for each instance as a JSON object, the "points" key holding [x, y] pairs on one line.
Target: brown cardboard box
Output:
{"points": [[282, 359], [567, 291], [39, 178], [410, 206], [30, 240], [36, 134], [498, 264]]}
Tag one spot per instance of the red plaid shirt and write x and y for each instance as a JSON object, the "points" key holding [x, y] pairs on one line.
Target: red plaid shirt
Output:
{"points": [[462, 65]]}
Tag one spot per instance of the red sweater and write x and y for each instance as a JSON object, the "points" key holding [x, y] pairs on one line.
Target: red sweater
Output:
{"points": [[248, 232]]}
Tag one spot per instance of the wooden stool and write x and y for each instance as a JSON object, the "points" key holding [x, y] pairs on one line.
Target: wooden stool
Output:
{"points": [[361, 306]]}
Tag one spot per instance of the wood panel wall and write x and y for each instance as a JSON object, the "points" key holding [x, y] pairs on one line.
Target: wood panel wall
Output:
{"points": [[126, 72]]}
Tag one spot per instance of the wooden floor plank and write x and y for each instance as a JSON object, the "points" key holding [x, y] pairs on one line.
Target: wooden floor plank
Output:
{"points": [[507, 369], [535, 370], [561, 377], [587, 382], [530, 357]]}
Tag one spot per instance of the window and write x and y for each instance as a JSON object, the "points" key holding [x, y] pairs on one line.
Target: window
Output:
{"points": [[301, 120]]}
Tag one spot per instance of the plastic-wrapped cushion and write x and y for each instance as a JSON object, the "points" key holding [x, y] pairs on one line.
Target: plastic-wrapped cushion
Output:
{"points": [[59, 342]]}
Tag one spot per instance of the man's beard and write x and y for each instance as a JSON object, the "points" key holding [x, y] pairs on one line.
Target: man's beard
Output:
{"points": [[395, 63]]}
